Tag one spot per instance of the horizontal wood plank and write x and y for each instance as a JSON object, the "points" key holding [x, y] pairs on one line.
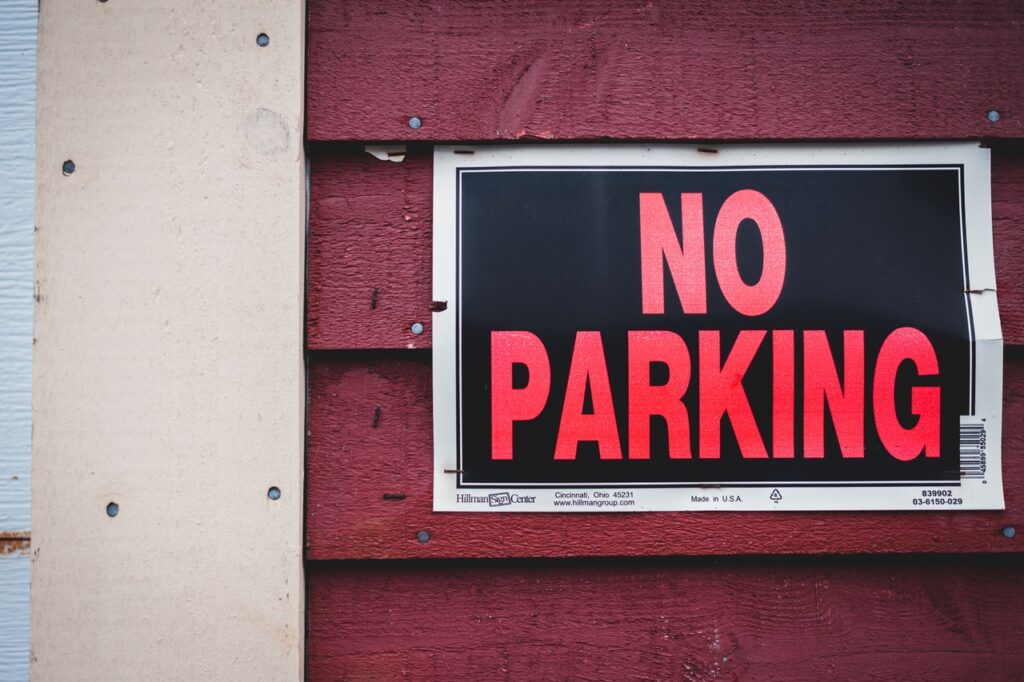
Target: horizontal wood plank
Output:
{"points": [[369, 251], [1008, 237], [369, 490], [590, 69], [917, 618], [369, 277]]}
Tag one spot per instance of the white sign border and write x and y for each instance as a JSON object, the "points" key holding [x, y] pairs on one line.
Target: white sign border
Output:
{"points": [[974, 494]]}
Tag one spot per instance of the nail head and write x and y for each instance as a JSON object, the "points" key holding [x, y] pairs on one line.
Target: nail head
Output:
{"points": [[263, 40], [415, 122], [423, 537], [993, 116], [68, 167], [274, 493], [113, 509], [417, 328], [1009, 532]]}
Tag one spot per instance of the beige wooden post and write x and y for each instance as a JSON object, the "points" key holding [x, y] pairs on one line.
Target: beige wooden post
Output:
{"points": [[168, 366]]}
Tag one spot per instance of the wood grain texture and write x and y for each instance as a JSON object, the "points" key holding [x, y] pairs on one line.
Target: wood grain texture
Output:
{"points": [[592, 69], [1008, 237], [369, 490], [168, 374], [920, 618], [369, 250], [371, 225]]}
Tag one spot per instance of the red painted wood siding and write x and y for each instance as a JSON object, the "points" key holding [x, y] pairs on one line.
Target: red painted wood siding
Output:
{"points": [[1008, 236], [370, 231], [369, 250], [809, 618], [370, 436], [650, 69], [647, 70]]}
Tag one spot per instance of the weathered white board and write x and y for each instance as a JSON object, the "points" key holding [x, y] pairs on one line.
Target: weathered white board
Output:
{"points": [[168, 367]]}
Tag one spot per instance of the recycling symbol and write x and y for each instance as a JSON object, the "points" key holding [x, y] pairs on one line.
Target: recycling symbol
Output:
{"points": [[776, 495]]}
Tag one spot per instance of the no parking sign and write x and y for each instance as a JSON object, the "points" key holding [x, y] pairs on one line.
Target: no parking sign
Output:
{"points": [[743, 328]]}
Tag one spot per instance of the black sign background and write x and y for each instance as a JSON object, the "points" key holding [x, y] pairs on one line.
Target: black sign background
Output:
{"points": [[554, 252]]}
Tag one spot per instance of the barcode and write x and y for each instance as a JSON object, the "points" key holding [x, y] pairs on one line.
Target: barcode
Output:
{"points": [[972, 448]]}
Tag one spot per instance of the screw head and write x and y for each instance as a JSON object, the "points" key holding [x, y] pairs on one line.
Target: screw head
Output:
{"points": [[415, 122], [993, 116], [1009, 532], [112, 509], [68, 167], [263, 40], [274, 493], [416, 328], [423, 537]]}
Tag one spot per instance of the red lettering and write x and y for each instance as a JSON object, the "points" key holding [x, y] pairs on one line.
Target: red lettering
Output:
{"points": [[783, 393], [907, 343], [659, 244], [588, 367], [721, 392], [665, 400], [508, 404], [747, 299], [845, 402]]}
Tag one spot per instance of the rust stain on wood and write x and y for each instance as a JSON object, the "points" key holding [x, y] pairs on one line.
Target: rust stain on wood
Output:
{"points": [[12, 542]]}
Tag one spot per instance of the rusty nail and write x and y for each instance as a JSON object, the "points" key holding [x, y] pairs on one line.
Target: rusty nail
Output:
{"points": [[373, 299], [438, 306]]}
